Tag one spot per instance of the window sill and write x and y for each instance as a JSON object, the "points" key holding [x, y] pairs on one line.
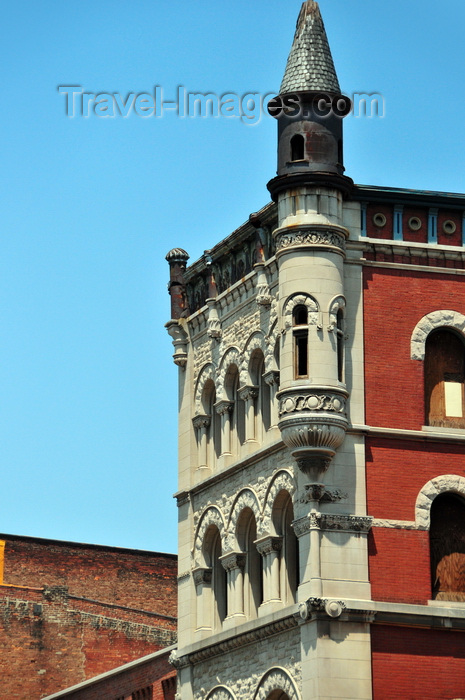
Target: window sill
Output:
{"points": [[450, 431]]}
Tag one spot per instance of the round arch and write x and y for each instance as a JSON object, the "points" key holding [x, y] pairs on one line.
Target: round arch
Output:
{"points": [[437, 319], [276, 679], [441, 484]]}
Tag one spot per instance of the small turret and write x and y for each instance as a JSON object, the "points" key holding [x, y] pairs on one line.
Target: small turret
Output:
{"points": [[177, 259], [309, 110]]}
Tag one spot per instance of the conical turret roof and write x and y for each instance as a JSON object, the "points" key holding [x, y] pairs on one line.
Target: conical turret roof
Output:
{"points": [[310, 66]]}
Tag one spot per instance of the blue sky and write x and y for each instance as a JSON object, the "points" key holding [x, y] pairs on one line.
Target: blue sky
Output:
{"points": [[90, 207]]}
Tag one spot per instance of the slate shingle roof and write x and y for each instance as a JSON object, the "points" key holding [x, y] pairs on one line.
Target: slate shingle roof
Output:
{"points": [[310, 66]]}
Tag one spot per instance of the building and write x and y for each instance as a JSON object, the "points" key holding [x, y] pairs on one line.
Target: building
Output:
{"points": [[71, 612], [321, 428]]}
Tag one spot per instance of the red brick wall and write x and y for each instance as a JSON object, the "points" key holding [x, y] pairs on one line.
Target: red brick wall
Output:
{"points": [[156, 672], [399, 565], [394, 302], [414, 664], [145, 580], [52, 636]]}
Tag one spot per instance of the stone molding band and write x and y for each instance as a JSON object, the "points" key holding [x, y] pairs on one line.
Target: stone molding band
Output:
{"points": [[332, 522], [294, 403], [333, 237]]}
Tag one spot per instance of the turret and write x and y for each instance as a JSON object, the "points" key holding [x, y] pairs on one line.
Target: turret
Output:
{"points": [[310, 249]]}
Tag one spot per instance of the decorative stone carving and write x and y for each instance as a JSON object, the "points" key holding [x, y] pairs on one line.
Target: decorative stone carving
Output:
{"points": [[233, 560], [247, 392], [206, 373], [272, 377], [263, 290], [245, 499], [180, 341], [315, 236], [337, 303], [333, 495], [211, 516], [302, 526], [436, 319], [178, 661], [333, 608], [313, 426], [348, 523], [202, 575], [213, 322], [301, 300], [276, 679], [440, 484], [224, 406], [281, 481], [333, 403], [313, 492], [269, 544], [201, 421]]}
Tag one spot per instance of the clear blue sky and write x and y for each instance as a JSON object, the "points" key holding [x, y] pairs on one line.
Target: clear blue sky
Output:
{"points": [[90, 207]]}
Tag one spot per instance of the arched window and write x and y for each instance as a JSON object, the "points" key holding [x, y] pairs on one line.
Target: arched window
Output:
{"points": [[444, 372], [300, 332], [253, 576], [237, 419], [297, 147], [447, 547], [212, 554], [278, 695], [283, 516], [212, 436], [262, 406]]}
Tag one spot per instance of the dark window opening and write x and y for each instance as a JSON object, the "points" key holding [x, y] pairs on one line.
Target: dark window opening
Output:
{"points": [[340, 346], [447, 547], [301, 353], [297, 147]]}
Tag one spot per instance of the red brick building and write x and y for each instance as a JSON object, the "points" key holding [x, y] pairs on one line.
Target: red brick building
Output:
{"points": [[70, 612]]}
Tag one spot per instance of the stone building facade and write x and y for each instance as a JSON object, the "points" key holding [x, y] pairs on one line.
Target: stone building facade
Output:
{"points": [[321, 449]]}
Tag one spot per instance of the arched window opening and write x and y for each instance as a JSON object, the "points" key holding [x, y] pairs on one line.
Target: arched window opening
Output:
{"points": [[237, 417], [283, 516], [253, 575], [212, 554], [340, 157], [297, 147], [444, 372], [300, 331], [263, 403], [212, 427], [340, 345], [447, 547]]}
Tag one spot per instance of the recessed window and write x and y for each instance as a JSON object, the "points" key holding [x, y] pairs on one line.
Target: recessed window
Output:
{"points": [[447, 547], [297, 147], [300, 331], [444, 380]]}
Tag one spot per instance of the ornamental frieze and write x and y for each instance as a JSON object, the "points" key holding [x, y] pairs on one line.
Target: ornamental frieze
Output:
{"points": [[334, 403], [351, 523], [312, 237]]}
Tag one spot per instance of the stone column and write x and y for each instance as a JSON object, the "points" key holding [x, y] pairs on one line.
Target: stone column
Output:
{"points": [[270, 547], [272, 379], [224, 409], [248, 394], [201, 423], [203, 589], [234, 563]]}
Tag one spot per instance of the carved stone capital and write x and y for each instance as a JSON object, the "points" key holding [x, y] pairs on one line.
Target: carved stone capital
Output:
{"points": [[332, 608], [248, 391], [213, 322], [272, 377], [233, 560], [202, 575], [201, 421], [269, 543], [224, 406]]}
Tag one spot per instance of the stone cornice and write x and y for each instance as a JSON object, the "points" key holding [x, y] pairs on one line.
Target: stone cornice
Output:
{"points": [[426, 435], [236, 641], [341, 522]]}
